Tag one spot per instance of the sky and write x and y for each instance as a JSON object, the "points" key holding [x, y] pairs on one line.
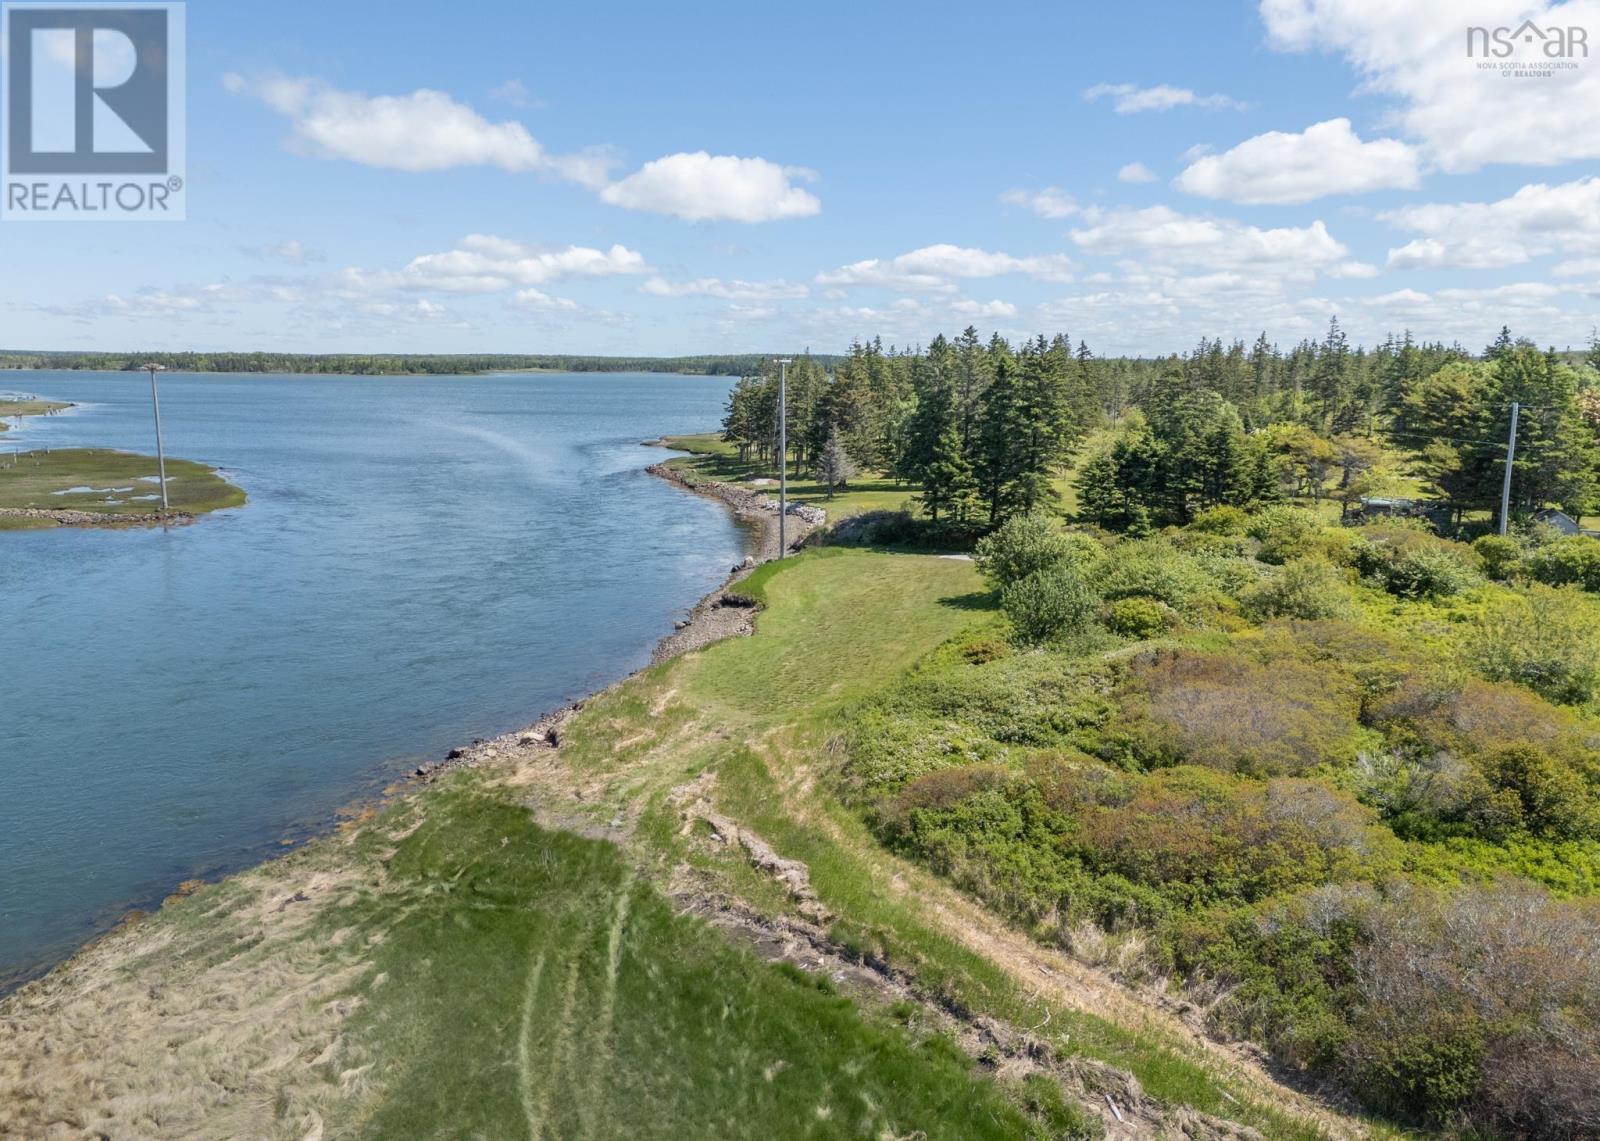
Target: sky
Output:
{"points": [[649, 179]]}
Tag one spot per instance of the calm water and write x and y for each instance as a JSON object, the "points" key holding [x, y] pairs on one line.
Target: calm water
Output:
{"points": [[421, 561]]}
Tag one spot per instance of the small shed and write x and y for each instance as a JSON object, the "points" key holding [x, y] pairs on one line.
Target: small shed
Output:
{"points": [[1560, 520]]}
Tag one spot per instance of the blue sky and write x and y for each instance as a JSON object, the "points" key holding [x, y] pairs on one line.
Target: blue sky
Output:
{"points": [[662, 179]]}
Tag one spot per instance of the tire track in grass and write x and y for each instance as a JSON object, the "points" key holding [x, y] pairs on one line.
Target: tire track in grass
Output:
{"points": [[530, 1004], [593, 1099]]}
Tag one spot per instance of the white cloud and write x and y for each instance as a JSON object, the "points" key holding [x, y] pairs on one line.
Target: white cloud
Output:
{"points": [[1524, 297], [1463, 116], [514, 93], [1136, 172], [933, 268], [1538, 219], [705, 187], [291, 252], [1047, 203], [1281, 167], [1168, 238], [483, 263], [735, 290], [1576, 267], [536, 301], [996, 310], [423, 131], [1352, 269], [1130, 99]]}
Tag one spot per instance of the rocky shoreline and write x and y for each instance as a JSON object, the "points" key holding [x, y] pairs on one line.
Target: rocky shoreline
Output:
{"points": [[65, 517]]}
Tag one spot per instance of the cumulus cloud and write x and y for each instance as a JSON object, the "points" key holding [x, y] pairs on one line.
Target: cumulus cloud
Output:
{"points": [[1047, 203], [702, 187], [1282, 167], [1130, 99], [1538, 219], [934, 268], [535, 301], [735, 290], [483, 263], [1165, 237], [1462, 116], [1136, 172], [423, 131], [995, 310]]}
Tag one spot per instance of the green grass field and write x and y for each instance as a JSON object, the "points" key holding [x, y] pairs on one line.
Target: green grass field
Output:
{"points": [[109, 483]]}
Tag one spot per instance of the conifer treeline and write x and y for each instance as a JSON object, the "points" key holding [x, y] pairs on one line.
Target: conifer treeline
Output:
{"points": [[985, 427]]}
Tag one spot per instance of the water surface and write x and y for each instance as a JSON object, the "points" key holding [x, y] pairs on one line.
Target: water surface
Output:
{"points": [[422, 561]]}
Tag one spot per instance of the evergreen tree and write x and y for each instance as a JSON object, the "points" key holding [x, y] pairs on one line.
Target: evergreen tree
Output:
{"points": [[948, 484], [834, 467]]}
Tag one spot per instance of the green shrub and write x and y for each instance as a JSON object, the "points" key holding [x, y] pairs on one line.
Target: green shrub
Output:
{"points": [[1499, 555], [1551, 800], [1140, 617], [1025, 545], [1425, 1073], [1573, 560], [1223, 520], [1049, 605], [1414, 563], [1285, 533], [1307, 588], [1153, 568], [1428, 572], [1545, 640]]}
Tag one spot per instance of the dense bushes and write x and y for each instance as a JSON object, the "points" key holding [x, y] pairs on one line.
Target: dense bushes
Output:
{"points": [[1573, 560], [1543, 639], [1308, 588], [1216, 710], [1475, 1007], [1414, 563], [1028, 544], [1048, 605], [1303, 803]]}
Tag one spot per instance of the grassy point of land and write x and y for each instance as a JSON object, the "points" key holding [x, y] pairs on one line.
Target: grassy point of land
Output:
{"points": [[713, 458], [112, 484], [16, 409]]}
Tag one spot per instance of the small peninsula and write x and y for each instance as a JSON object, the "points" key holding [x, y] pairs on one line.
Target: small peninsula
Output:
{"points": [[89, 487]]}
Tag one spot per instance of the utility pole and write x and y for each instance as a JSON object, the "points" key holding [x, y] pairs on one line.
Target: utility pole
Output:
{"points": [[161, 455], [783, 455], [1511, 455]]}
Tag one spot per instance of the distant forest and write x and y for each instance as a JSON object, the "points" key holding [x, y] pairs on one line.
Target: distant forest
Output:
{"points": [[358, 364]]}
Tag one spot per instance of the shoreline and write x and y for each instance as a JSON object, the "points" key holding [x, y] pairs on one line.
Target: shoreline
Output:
{"points": [[717, 615], [714, 617]]}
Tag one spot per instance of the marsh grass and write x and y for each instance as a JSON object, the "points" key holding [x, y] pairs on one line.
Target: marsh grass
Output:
{"points": [[114, 482]]}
